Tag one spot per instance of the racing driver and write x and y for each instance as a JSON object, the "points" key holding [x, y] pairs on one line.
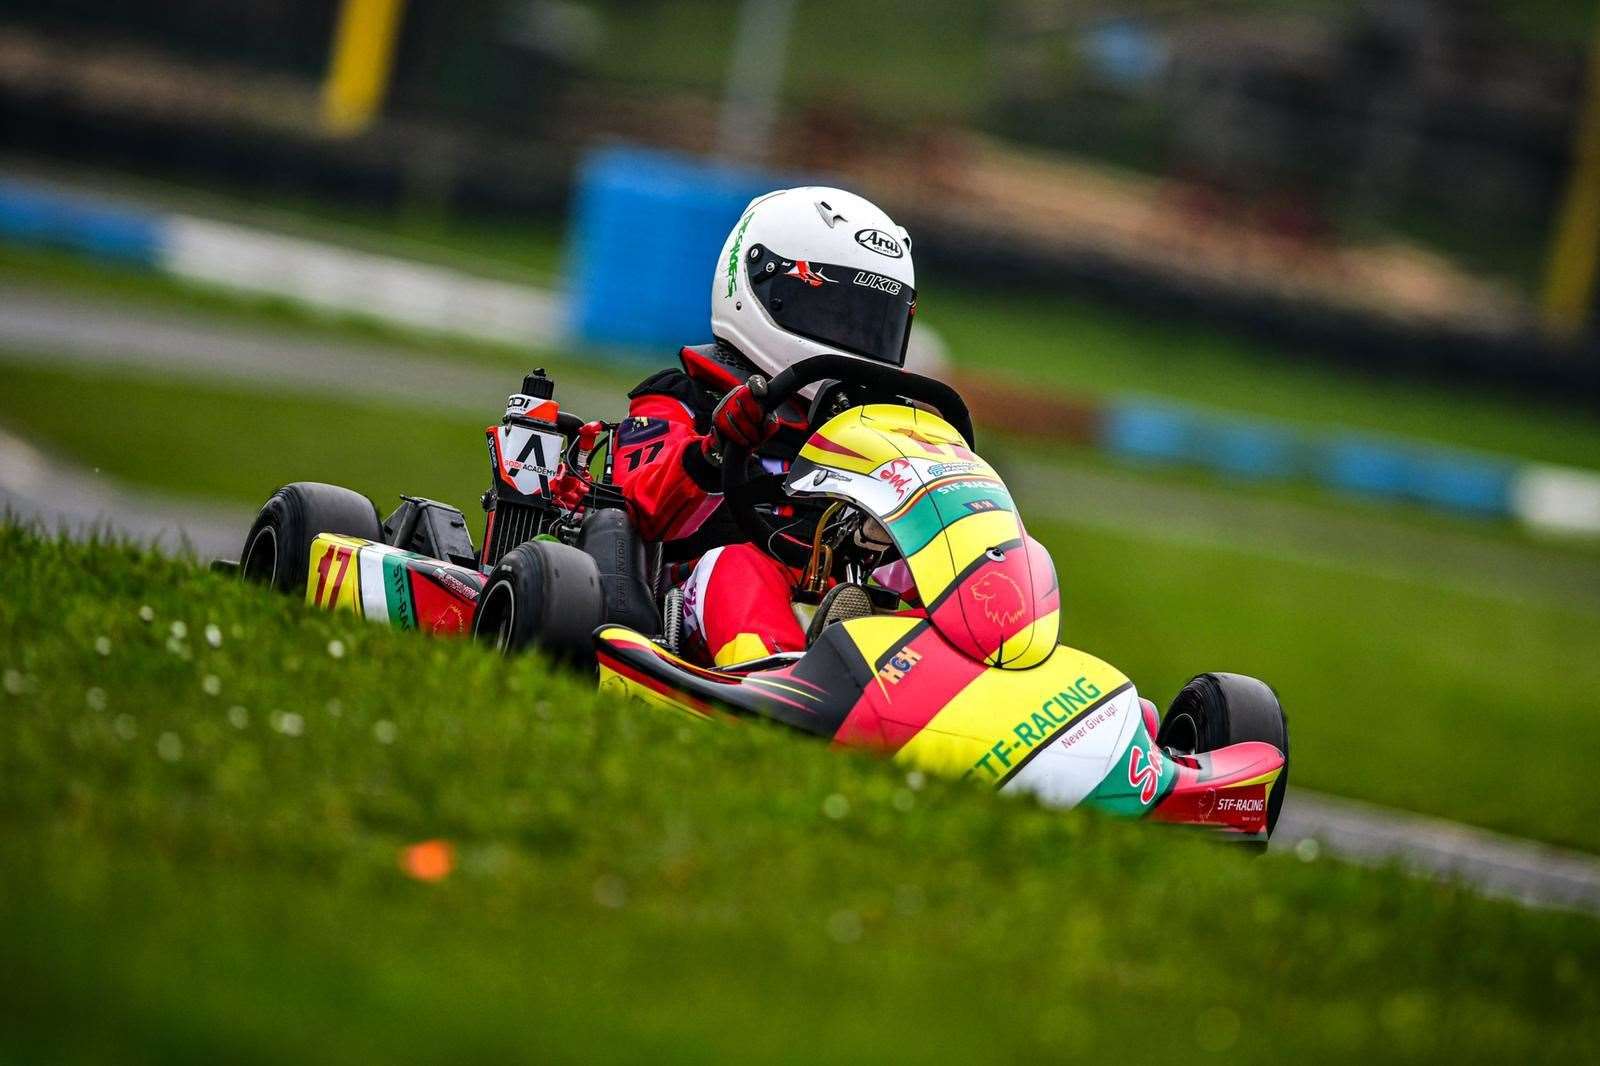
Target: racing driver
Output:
{"points": [[804, 272]]}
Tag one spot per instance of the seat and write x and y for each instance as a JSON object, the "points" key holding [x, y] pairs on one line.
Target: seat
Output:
{"points": [[608, 536]]}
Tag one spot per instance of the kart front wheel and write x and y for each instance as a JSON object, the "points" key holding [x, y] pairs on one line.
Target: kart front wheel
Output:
{"points": [[1215, 710], [542, 594], [277, 550]]}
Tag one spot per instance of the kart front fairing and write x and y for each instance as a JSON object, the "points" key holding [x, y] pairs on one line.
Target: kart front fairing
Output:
{"points": [[988, 588]]}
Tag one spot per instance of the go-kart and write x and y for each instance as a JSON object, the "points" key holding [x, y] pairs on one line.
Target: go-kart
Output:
{"points": [[958, 673]]}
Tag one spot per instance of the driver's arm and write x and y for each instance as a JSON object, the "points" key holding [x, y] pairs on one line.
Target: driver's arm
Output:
{"points": [[662, 470]]}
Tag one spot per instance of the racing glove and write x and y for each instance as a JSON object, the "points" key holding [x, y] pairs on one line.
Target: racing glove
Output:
{"points": [[568, 489], [739, 419]]}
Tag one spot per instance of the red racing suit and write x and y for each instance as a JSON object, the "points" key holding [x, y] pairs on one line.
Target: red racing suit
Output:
{"points": [[737, 598]]}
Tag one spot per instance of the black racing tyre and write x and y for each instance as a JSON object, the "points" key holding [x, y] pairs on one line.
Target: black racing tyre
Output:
{"points": [[1215, 710], [542, 594], [277, 550]]}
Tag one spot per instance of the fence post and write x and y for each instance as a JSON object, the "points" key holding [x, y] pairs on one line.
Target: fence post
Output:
{"points": [[358, 71], [1575, 256]]}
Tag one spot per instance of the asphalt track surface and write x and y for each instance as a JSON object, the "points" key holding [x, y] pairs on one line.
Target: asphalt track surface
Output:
{"points": [[49, 329]]}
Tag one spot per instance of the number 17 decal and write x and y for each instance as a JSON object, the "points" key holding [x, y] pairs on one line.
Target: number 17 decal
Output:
{"points": [[324, 565], [645, 453]]}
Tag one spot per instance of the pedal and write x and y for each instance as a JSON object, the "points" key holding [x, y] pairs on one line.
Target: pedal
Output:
{"points": [[844, 601]]}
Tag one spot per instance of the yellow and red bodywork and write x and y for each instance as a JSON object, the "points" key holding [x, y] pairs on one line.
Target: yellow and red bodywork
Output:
{"points": [[980, 686]]}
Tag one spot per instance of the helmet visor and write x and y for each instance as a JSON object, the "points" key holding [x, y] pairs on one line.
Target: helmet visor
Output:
{"points": [[859, 312]]}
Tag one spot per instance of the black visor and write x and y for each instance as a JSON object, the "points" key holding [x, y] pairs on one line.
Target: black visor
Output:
{"points": [[860, 312]]}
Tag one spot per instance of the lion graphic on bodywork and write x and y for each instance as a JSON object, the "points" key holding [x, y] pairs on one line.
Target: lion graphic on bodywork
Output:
{"points": [[1001, 599]]}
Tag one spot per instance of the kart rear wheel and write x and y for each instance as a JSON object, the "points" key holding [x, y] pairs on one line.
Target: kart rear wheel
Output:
{"points": [[277, 550], [542, 594], [1215, 710]]}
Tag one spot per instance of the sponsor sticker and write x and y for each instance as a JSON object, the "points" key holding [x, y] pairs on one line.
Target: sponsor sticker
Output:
{"points": [[868, 280], [1037, 728], [898, 474], [638, 429], [455, 585], [733, 253], [899, 665], [824, 475], [813, 277], [1229, 806], [875, 240], [1144, 772]]}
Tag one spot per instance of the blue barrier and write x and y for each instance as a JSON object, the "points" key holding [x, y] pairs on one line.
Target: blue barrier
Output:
{"points": [[1247, 449], [646, 231], [1356, 463], [1462, 482], [1363, 465], [1149, 432], [39, 216]]}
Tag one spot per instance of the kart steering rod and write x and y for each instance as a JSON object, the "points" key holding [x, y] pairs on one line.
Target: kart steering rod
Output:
{"points": [[743, 488], [890, 381]]}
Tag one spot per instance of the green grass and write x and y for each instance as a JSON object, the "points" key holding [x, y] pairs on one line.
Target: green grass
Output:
{"points": [[1067, 345], [1429, 698], [235, 445], [1419, 697], [200, 830]]}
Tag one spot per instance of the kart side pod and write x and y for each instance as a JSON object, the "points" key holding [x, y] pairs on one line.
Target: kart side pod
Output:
{"points": [[391, 585]]}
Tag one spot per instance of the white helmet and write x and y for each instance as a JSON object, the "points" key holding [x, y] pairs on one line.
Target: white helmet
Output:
{"points": [[812, 271]]}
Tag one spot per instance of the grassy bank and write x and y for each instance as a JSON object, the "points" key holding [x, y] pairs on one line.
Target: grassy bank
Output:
{"points": [[206, 794]]}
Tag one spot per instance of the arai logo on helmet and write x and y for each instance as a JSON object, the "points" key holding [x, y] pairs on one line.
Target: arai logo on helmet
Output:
{"points": [[875, 240]]}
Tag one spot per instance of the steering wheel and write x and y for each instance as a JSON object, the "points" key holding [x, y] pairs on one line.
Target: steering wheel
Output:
{"points": [[751, 493]]}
